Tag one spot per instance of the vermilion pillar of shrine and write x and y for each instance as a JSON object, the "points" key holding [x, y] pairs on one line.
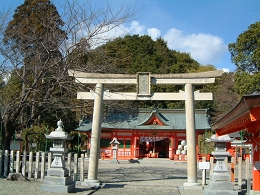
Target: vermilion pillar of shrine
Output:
{"points": [[171, 148], [135, 147], [256, 164]]}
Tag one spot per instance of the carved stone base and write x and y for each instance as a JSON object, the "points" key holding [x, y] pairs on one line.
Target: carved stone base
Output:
{"points": [[57, 180], [220, 188], [220, 192], [58, 184]]}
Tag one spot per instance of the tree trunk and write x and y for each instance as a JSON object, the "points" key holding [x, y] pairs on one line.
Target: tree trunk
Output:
{"points": [[9, 130]]}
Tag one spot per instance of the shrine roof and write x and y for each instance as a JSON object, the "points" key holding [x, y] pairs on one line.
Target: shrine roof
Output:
{"points": [[243, 116], [149, 119]]}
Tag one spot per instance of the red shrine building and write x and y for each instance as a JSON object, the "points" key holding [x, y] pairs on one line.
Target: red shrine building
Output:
{"points": [[245, 116], [153, 133]]}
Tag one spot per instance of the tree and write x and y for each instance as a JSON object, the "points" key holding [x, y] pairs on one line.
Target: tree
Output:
{"points": [[245, 54], [131, 54], [33, 36], [35, 46], [225, 96]]}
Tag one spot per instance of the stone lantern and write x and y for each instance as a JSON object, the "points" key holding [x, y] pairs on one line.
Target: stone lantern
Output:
{"points": [[220, 182], [58, 179], [114, 143]]}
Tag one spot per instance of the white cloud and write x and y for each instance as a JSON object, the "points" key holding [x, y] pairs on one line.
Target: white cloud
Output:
{"points": [[205, 48], [226, 70], [136, 28], [154, 33], [110, 32]]}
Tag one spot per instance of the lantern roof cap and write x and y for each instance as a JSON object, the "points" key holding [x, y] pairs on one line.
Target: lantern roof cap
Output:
{"points": [[59, 133]]}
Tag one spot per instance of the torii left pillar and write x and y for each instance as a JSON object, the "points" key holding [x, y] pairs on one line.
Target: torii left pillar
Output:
{"points": [[95, 137]]}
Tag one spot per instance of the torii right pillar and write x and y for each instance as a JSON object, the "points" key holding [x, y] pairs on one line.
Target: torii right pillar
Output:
{"points": [[191, 139]]}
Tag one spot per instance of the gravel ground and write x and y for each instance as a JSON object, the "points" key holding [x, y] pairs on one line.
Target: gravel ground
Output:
{"points": [[146, 177]]}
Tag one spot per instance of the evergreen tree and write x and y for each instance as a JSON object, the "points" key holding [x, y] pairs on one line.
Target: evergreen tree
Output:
{"points": [[34, 34], [245, 54]]}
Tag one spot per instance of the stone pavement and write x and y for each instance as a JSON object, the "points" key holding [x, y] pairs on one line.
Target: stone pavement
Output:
{"points": [[145, 176], [140, 177]]}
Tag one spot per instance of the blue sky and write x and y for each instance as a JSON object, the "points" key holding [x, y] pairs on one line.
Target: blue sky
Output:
{"points": [[203, 28]]}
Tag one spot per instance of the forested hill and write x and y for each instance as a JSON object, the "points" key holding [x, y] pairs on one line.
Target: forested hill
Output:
{"points": [[133, 54]]}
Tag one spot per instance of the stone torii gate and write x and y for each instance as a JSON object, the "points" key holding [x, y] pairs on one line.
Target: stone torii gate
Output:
{"points": [[144, 80]]}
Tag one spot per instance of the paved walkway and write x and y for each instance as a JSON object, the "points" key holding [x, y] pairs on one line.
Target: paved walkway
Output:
{"points": [[146, 176]]}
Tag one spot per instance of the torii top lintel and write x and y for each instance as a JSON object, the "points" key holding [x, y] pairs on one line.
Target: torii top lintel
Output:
{"points": [[199, 78]]}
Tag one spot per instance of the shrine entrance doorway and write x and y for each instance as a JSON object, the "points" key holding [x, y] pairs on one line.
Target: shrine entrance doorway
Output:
{"points": [[154, 148]]}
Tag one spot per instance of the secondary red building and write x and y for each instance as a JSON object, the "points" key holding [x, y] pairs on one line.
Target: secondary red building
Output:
{"points": [[245, 116], [146, 132]]}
